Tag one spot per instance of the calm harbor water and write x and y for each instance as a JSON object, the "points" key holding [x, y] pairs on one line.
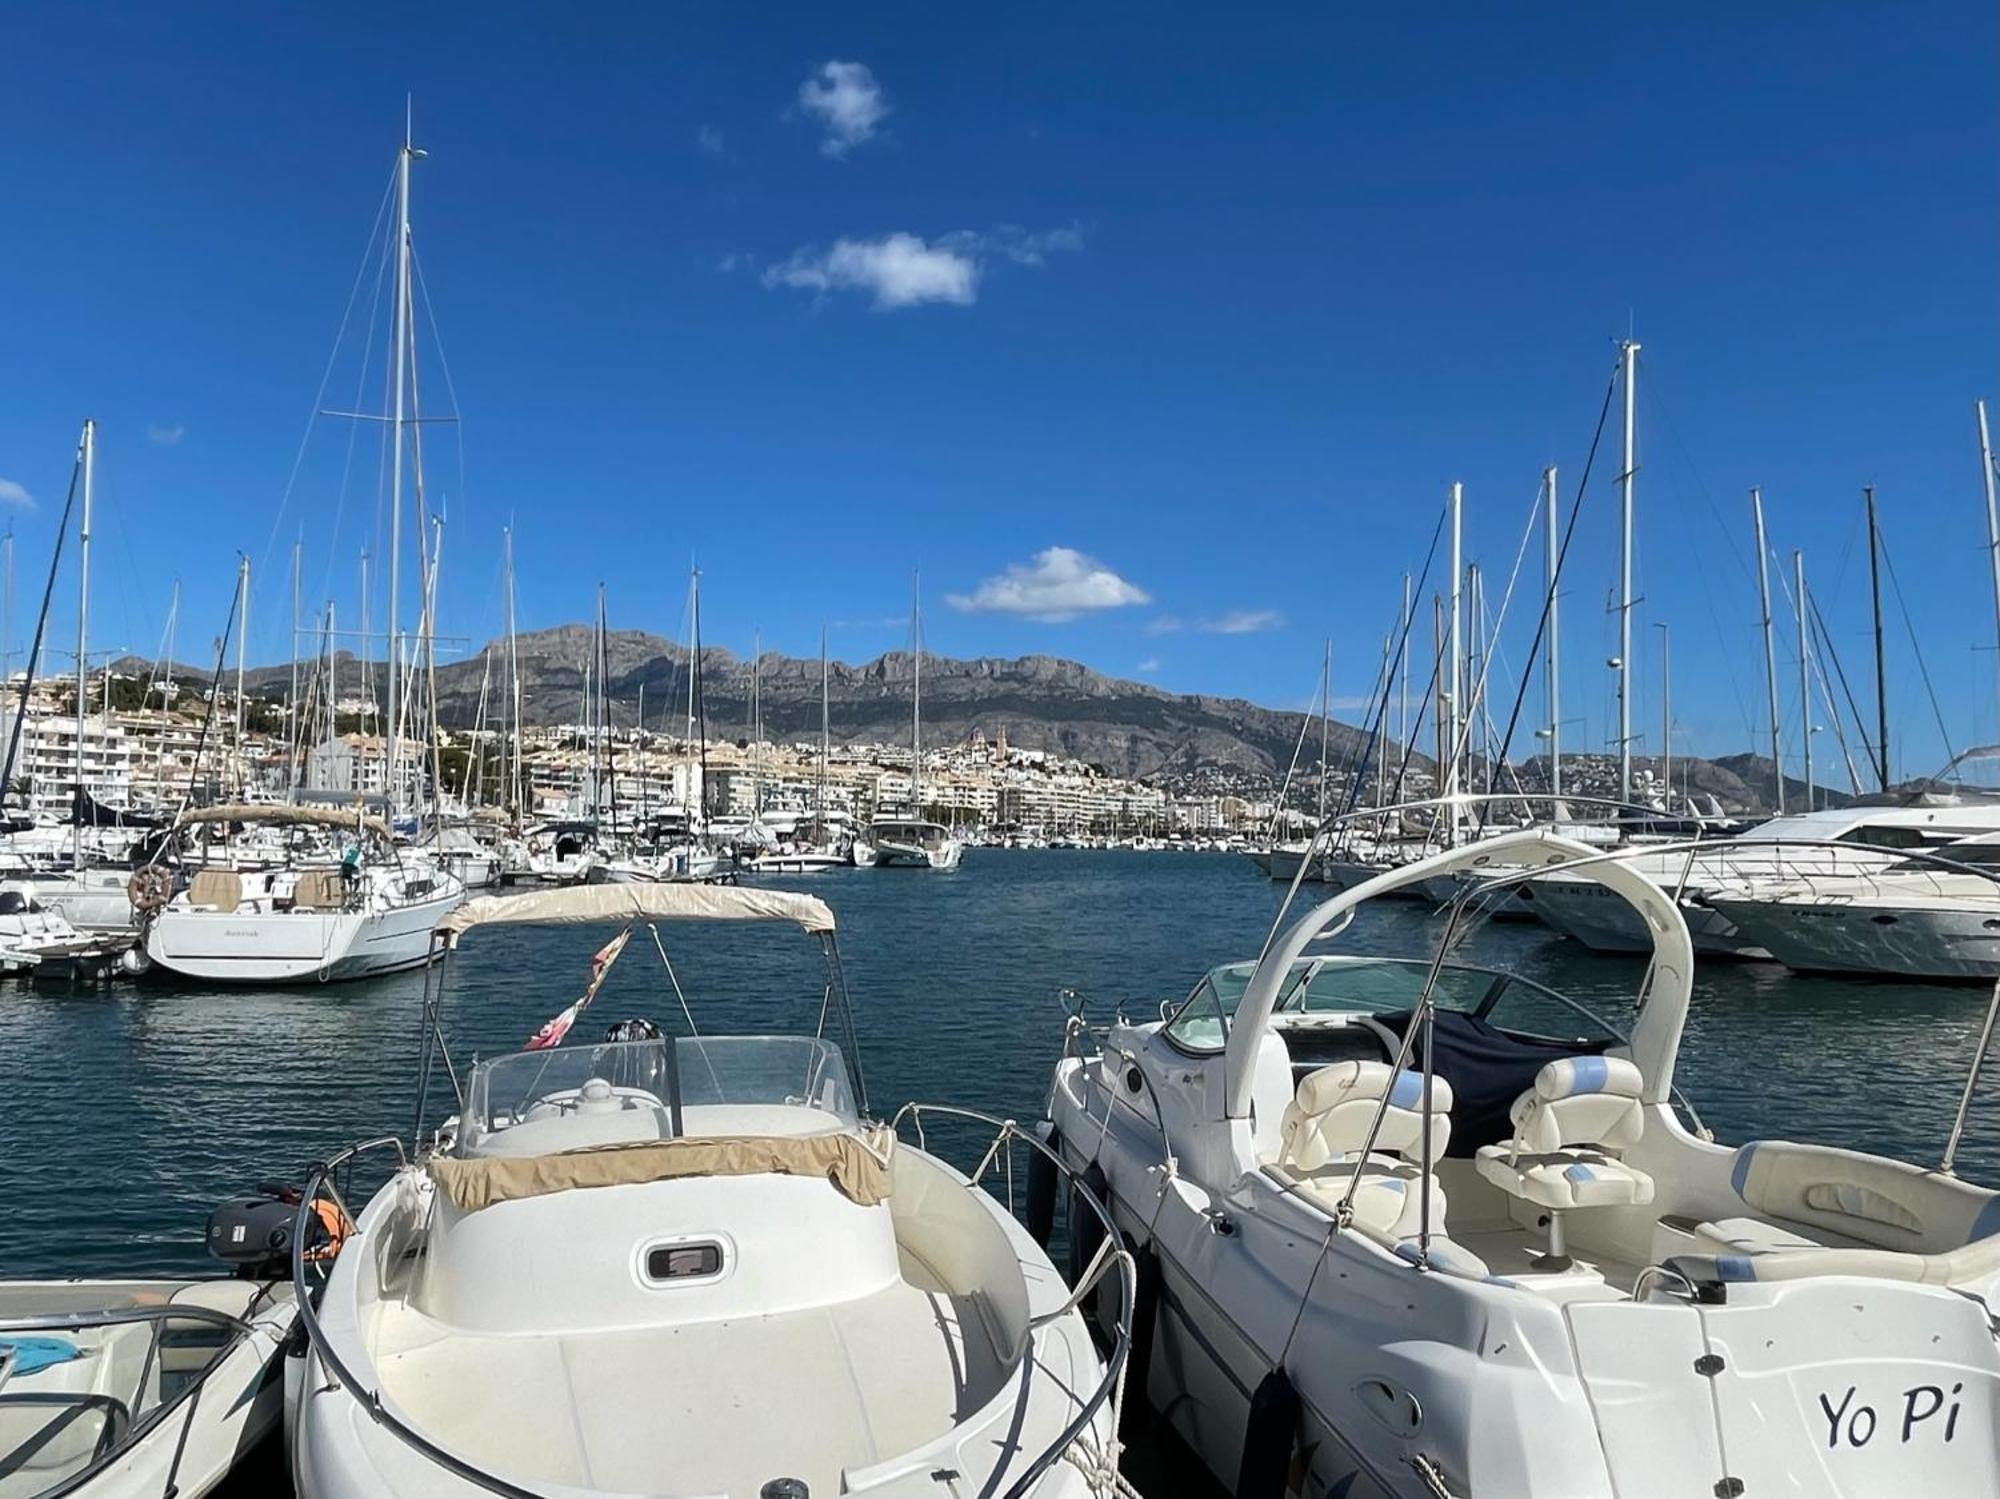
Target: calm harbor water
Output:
{"points": [[127, 1113]]}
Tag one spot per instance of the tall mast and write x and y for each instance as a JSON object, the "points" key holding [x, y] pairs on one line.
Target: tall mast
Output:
{"points": [[1770, 653], [697, 698], [1455, 719], [756, 723], [513, 679], [167, 669], [1805, 673], [333, 683], [1325, 713], [1992, 519], [1881, 666], [294, 734], [7, 605], [1629, 355], [916, 696], [367, 651], [825, 734], [1666, 719], [82, 632], [1403, 703], [1552, 679], [242, 642], [401, 356]]}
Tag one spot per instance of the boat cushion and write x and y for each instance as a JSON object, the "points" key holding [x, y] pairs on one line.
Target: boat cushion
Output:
{"points": [[1388, 1200], [1565, 1178], [1748, 1236], [216, 889], [1335, 1107], [1869, 1199], [320, 890], [1581, 1100], [858, 1169]]}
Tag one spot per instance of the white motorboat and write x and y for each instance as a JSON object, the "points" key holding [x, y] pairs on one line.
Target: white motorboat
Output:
{"points": [[680, 863], [1419, 1229], [1872, 835], [369, 911], [461, 853], [690, 1266], [797, 859], [563, 853], [95, 899], [1934, 917], [907, 843], [34, 938]]}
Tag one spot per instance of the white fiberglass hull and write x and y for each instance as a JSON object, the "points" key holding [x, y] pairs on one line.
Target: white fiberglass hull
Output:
{"points": [[296, 947], [1602, 922], [915, 855], [186, 1450], [1923, 940], [797, 863], [94, 900]]}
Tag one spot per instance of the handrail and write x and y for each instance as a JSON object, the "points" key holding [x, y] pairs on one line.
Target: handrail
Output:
{"points": [[372, 1404], [1128, 1280]]}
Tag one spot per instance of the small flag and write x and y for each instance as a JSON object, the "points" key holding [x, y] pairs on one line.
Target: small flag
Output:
{"points": [[552, 1033]]}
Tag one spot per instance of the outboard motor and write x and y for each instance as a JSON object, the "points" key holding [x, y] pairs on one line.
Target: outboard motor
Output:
{"points": [[254, 1233]]}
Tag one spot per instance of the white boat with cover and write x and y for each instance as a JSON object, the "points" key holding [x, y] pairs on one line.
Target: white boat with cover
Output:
{"points": [[692, 1266], [907, 843], [369, 911], [130, 1389], [1421, 1229]]}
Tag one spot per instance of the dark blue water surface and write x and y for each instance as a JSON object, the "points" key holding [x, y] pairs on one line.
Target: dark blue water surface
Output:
{"points": [[127, 1113]]}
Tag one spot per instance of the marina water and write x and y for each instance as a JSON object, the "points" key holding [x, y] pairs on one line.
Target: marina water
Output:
{"points": [[130, 1111]]}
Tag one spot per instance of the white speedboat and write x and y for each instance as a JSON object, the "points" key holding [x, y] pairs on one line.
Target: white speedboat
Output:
{"points": [[1420, 1229], [369, 911], [95, 899], [907, 843], [563, 853], [690, 1266], [461, 853], [680, 863], [35, 939]]}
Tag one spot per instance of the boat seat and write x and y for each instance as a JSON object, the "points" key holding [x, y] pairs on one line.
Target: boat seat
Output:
{"points": [[1569, 1130], [319, 890], [216, 889], [1748, 1236], [1844, 1197], [1325, 1127]]}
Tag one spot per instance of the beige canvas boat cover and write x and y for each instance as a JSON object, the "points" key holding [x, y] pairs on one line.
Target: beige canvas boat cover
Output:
{"points": [[285, 816], [858, 1169], [579, 904]]}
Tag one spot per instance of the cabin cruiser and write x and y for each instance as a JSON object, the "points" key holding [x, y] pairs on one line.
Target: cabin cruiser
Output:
{"points": [[1427, 1229], [463, 854], [692, 1266], [907, 843], [131, 1389], [35, 939], [1858, 838], [1931, 916], [354, 910]]}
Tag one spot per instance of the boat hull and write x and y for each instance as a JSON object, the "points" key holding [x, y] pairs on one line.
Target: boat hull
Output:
{"points": [[295, 947], [1898, 941]]}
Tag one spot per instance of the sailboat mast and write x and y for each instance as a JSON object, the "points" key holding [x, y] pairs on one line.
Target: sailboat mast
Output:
{"points": [[1881, 665], [401, 362], [1552, 679], [513, 679], [83, 631], [825, 734], [332, 679], [697, 696], [1325, 713], [1403, 701], [293, 731], [1992, 520], [242, 643], [756, 723], [1805, 673], [917, 697], [1454, 722], [1667, 719], [1629, 356], [1770, 652]]}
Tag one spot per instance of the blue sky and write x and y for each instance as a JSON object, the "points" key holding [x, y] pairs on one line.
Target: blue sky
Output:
{"points": [[1219, 304]]}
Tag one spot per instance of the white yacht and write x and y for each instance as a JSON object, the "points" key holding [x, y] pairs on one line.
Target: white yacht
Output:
{"points": [[907, 843], [34, 938], [363, 909], [563, 853], [1419, 1229], [692, 1266], [1932, 918], [1727, 867]]}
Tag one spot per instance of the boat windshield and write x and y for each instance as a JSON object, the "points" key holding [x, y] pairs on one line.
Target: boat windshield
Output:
{"points": [[1349, 984], [702, 1084]]}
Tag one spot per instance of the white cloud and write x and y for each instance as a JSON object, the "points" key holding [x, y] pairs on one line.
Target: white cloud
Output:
{"points": [[1241, 622], [15, 494], [1059, 584], [905, 270], [845, 98], [1351, 703], [1163, 624], [1147, 667], [898, 270], [166, 437], [709, 138]]}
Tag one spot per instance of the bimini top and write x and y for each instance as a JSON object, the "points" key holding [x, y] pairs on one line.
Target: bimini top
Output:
{"points": [[576, 905], [282, 814]]}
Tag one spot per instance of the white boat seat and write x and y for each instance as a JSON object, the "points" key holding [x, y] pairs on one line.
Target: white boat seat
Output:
{"points": [[1569, 1130], [1748, 1236], [216, 889], [1325, 1126]]}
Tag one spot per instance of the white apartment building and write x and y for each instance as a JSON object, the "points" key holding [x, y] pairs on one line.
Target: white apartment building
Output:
{"points": [[46, 763]]}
